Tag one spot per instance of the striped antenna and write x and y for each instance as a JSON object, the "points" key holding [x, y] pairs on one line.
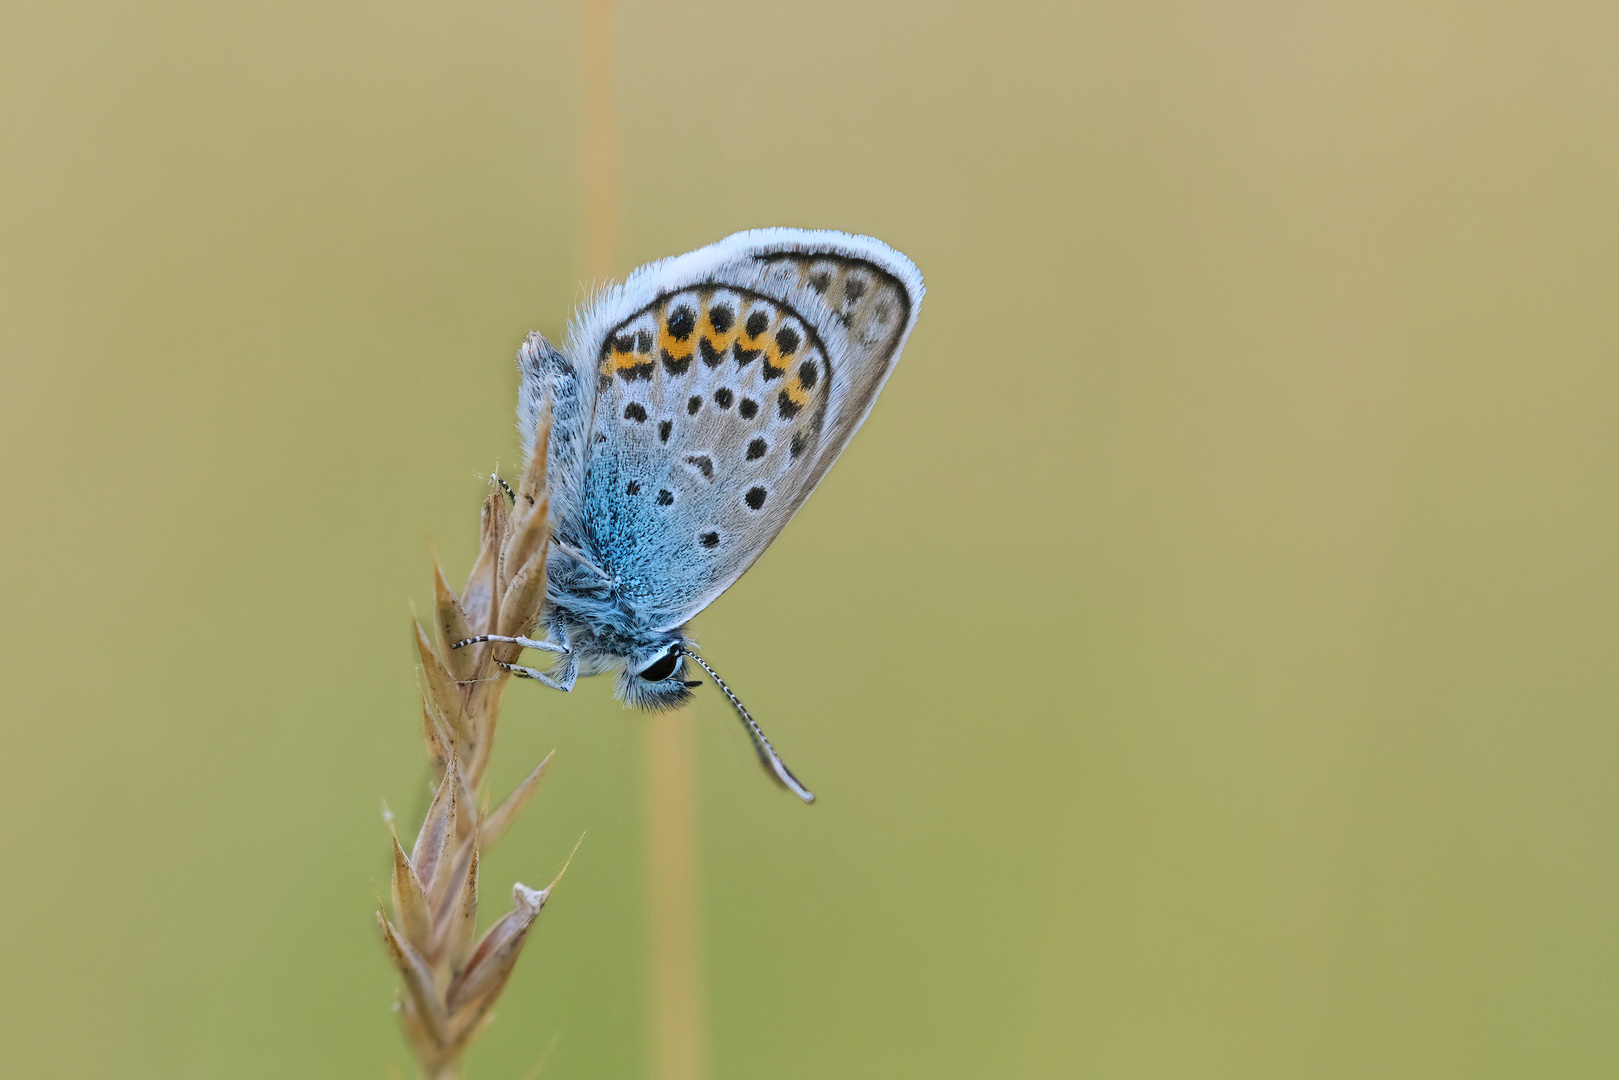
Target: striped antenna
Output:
{"points": [[767, 753]]}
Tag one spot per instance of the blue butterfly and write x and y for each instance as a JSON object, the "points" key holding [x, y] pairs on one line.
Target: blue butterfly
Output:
{"points": [[695, 407]]}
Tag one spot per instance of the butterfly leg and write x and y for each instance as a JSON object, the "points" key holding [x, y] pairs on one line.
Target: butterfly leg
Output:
{"points": [[507, 488], [564, 679], [527, 643]]}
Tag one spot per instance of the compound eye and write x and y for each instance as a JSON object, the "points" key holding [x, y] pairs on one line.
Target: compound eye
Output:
{"points": [[661, 669]]}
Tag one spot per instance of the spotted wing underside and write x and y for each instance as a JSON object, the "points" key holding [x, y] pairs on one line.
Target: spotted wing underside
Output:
{"points": [[720, 397]]}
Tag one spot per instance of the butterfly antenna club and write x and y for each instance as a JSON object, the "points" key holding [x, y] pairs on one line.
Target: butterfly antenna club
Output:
{"points": [[767, 753]]}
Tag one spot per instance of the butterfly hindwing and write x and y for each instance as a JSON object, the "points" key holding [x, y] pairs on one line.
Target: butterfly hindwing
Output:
{"points": [[701, 402], [710, 408]]}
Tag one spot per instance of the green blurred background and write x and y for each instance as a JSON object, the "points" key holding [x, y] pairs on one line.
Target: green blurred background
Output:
{"points": [[1205, 656]]}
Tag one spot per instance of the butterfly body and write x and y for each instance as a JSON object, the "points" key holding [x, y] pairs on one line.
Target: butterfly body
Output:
{"points": [[694, 407]]}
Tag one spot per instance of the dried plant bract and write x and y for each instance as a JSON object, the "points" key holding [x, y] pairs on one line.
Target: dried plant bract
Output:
{"points": [[452, 976]]}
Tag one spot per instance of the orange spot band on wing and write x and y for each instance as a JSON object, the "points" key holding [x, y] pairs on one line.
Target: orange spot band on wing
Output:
{"points": [[718, 339], [672, 345], [754, 341]]}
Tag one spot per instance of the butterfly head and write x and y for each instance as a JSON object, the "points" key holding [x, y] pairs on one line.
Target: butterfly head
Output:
{"points": [[654, 676]]}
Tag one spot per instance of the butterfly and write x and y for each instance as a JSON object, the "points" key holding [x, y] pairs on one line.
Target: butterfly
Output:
{"points": [[694, 407]]}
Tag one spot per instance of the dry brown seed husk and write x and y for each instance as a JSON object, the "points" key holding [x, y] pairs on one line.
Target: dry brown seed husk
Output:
{"points": [[437, 828], [452, 873], [410, 901], [441, 687], [427, 1047], [531, 489], [521, 601], [477, 599], [496, 954], [530, 530], [418, 978], [461, 931], [483, 712], [451, 626], [439, 743], [467, 819]]}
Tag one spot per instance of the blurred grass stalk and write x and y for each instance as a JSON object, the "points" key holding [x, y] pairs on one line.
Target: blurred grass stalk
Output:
{"points": [[452, 978], [675, 984], [599, 182], [673, 966]]}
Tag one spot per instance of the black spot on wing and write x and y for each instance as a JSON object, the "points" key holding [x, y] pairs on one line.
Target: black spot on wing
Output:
{"points": [[633, 488], [757, 449], [744, 357], [682, 321], [749, 408], [785, 406], [710, 539], [721, 317], [755, 498], [758, 323], [820, 281], [693, 403], [808, 373], [711, 356], [796, 447], [665, 497], [675, 365], [643, 341], [664, 427], [635, 411], [636, 371], [787, 340], [723, 397], [703, 464]]}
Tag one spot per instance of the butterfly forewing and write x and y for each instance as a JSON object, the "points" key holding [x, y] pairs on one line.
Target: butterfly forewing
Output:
{"points": [[723, 385], [874, 310]]}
